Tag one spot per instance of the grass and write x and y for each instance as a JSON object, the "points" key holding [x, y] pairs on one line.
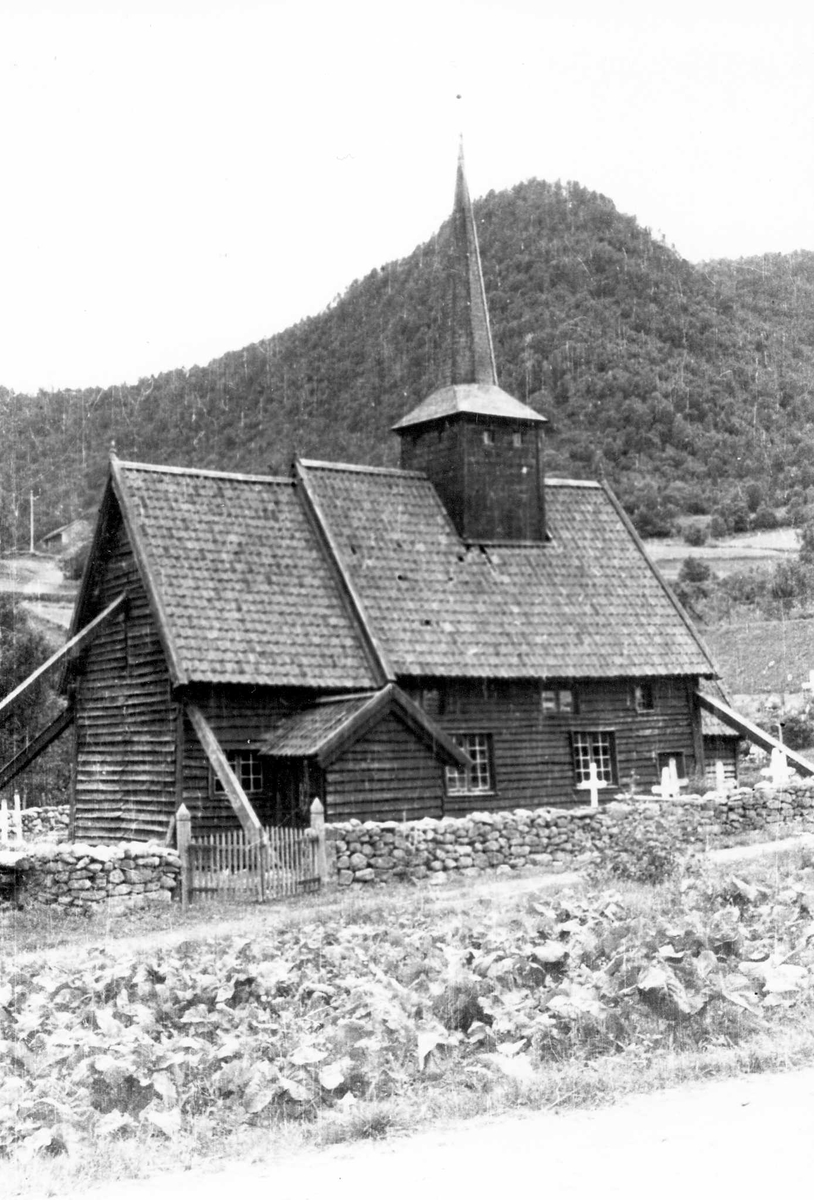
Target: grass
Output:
{"points": [[452, 1086]]}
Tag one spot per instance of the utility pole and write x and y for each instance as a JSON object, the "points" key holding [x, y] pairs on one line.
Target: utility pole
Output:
{"points": [[32, 521]]}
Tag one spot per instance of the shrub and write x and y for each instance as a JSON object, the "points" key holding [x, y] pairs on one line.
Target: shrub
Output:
{"points": [[807, 544], [694, 570], [765, 518], [798, 731], [696, 535], [72, 562]]}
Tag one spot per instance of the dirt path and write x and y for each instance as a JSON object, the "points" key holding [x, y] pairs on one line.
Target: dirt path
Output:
{"points": [[748, 1138]]}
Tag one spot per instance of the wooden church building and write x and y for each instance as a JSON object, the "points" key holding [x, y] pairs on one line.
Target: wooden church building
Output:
{"points": [[455, 635]]}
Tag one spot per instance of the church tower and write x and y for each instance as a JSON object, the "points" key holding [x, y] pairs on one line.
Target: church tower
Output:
{"points": [[481, 448]]}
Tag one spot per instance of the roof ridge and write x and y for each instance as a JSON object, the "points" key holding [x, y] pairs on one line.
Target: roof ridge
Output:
{"points": [[203, 472], [343, 698], [359, 468], [564, 481]]}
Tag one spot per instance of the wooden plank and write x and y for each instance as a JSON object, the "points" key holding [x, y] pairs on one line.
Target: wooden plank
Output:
{"points": [[72, 646], [238, 799], [35, 747], [753, 733]]}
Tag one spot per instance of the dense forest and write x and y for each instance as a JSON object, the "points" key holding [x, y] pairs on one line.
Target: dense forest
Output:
{"points": [[690, 388]]}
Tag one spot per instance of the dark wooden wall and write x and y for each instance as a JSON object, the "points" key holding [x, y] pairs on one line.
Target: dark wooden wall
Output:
{"points": [[532, 749], [725, 749], [125, 719], [492, 492], [388, 775], [240, 717]]}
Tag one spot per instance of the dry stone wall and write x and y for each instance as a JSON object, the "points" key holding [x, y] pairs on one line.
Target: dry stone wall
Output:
{"points": [[72, 875], [49, 822], [553, 839], [80, 876]]}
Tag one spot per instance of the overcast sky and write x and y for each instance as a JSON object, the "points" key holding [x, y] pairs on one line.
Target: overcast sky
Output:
{"points": [[181, 179]]}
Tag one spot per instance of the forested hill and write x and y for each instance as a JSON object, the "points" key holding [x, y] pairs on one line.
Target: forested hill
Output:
{"points": [[679, 383]]}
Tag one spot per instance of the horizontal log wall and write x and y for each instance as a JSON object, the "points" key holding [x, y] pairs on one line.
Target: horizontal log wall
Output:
{"points": [[533, 762], [125, 728], [389, 774]]}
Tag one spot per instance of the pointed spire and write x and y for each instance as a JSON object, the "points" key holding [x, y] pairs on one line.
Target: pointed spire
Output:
{"points": [[467, 377], [470, 355]]}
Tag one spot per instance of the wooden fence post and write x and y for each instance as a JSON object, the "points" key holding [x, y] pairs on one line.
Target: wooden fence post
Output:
{"points": [[183, 831], [318, 829], [18, 818], [263, 864]]}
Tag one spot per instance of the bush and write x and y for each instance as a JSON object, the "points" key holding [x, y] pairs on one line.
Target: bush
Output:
{"points": [[694, 570], [72, 563], [696, 535], [807, 544], [765, 518], [717, 526], [798, 731]]}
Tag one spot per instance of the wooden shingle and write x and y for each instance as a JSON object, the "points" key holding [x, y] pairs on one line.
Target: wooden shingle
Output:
{"points": [[243, 592], [586, 604]]}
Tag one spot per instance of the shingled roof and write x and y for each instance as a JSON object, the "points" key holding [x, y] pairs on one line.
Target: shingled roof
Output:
{"points": [[325, 729], [242, 591], [587, 604]]}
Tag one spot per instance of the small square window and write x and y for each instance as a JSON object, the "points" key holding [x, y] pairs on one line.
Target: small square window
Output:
{"points": [[488, 437], [558, 700], [517, 440], [643, 697], [478, 778], [432, 701], [247, 766]]}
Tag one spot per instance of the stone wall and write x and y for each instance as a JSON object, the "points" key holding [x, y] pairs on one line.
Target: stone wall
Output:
{"points": [[79, 876], [49, 822], [553, 839], [73, 875]]}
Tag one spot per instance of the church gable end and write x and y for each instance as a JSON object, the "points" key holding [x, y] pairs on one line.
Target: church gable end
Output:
{"points": [[125, 719]]}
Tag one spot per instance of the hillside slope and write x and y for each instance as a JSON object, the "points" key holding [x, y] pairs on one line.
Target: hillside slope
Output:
{"points": [[679, 383]]}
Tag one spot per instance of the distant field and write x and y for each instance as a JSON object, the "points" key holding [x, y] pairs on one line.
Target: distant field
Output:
{"points": [[47, 596], [741, 552]]}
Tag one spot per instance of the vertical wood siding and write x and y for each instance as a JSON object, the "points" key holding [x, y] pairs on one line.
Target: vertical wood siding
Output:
{"points": [[124, 724]]}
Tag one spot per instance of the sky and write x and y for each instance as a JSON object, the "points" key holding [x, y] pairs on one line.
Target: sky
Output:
{"points": [[181, 179]]}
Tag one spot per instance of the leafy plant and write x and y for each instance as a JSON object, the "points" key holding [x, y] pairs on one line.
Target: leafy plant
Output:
{"points": [[647, 849]]}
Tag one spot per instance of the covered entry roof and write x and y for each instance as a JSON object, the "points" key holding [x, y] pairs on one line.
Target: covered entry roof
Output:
{"points": [[325, 729]]}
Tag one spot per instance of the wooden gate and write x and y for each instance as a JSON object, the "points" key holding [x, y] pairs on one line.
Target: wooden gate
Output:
{"points": [[286, 862]]}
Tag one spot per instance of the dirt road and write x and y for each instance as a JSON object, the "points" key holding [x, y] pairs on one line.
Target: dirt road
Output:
{"points": [[747, 1138]]}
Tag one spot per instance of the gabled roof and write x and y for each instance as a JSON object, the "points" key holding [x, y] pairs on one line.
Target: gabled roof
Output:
{"points": [[325, 729], [587, 604], [236, 579], [351, 576]]}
